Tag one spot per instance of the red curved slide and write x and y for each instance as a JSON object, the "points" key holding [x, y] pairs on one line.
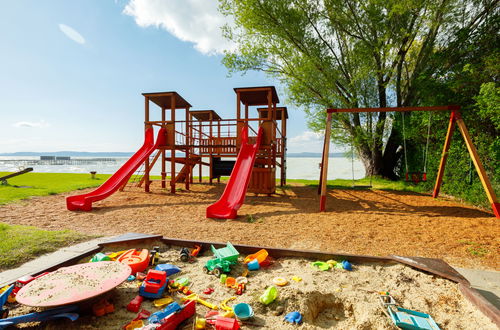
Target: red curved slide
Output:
{"points": [[84, 202], [234, 194]]}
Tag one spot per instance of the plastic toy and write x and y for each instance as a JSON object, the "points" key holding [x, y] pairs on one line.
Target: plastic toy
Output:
{"points": [[196, 298], [242, 280], [260, 256], [21, 282], [208, 290], [113, 256], [47, 315], [135, 304], [346, 265], [226, 323], [154, 285], [137, 260], [4, 296], [230, 282], [253, 265], [243, 311], [297, 278], [184, 255], [168, 268], [240, 288], [100, 257], [155, 255], [224, 258], [224, 306], [223, 278], [174, 319], [196, 251], [321, 265], [405, 318], [269, 295], [140, 276], [182, 281], [134, 324], [160, 315], [131, 278], [162, 302], [280, 281], [103, 307], [200, 323], [332, 263], [293, 317]]}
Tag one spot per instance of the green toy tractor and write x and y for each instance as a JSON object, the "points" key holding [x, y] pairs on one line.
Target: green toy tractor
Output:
{"points": [[223, 259]]}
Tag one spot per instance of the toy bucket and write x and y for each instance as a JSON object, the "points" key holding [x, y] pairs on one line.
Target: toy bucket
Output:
{"points": [[243, 311]]}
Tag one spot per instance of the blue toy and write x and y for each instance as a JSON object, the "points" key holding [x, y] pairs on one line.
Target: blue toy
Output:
{"points": [[168, 268], [346, 265], [253, 265], [294, 317], [160, 315], [154, 285], [50, 314], [407, 319]]}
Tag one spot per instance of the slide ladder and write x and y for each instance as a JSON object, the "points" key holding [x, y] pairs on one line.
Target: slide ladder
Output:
{"points": [[117, 180], [234, 194]]}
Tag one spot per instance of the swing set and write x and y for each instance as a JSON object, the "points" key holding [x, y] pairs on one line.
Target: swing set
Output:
{"points": [[455, 120]]}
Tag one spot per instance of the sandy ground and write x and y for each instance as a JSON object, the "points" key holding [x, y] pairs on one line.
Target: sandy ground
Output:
{"points": [[326, 299], [370, 222]]}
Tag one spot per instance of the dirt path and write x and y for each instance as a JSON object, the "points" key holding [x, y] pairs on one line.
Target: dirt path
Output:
{"points": [[371, 222]]}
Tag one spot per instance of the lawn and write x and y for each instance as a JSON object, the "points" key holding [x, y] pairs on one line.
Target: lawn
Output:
{"points": [[43, 184], [19, 244]]}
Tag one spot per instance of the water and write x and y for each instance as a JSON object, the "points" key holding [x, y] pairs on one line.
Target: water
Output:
{"points": [[297, 167]]}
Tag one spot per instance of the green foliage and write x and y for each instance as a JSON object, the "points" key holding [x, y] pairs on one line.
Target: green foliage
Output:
{"points": [[43, 184], [19, 244], [353, 53]]}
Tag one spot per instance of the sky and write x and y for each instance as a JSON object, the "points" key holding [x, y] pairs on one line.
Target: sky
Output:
{"points": [[72, 72]]}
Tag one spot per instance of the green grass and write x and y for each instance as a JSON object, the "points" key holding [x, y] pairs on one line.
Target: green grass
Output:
{"points": [[377, 183], [43, 184], [19, 244]]}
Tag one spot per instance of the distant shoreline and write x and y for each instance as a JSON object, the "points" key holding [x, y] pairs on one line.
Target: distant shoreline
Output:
{"points": [[128, 154]]}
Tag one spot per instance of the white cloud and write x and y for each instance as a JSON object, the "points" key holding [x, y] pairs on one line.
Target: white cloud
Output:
{"points": [[196, 21], [306, 142], [72, 33], [38, 124]]}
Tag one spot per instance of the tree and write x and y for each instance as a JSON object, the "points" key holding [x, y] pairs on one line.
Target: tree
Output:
{"points": [[351, 53]]}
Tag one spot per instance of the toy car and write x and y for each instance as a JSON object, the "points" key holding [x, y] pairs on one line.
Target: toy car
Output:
{"points": [[224, 258], [154, 285]]}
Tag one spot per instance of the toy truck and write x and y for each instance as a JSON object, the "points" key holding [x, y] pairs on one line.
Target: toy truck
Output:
{"points": [[223, 259]]}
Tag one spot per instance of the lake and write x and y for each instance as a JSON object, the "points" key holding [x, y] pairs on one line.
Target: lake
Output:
{"points": [[297, 167]]}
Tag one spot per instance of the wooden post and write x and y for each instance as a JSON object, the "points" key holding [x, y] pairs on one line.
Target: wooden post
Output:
{"points": [[172, 155], [444, 155], [147, 125], [283, 147], [188, 160], [163, 162], [324, 162], [479, 165], [201, 137]]}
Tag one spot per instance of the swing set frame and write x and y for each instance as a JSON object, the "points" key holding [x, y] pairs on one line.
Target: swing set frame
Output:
{"points": [[455, 120]]}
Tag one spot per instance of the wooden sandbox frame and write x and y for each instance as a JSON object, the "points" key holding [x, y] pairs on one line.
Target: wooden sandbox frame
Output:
{"points": [[433, 266]]}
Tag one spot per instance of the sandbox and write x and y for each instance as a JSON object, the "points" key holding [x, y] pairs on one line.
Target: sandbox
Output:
{"points": [[326, 299]]}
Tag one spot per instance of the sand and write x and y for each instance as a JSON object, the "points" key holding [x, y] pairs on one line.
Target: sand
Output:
{"points": [[327, 299], [370, 222]]}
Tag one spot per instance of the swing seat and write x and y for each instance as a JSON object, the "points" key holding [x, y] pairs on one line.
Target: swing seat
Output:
{"points": [[416, 177]]}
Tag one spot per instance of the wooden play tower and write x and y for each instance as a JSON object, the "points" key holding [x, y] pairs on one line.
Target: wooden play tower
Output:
{"points": [[197, 138]]}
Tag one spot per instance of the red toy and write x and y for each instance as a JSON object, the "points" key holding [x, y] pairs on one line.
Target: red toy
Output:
{"points": [[224, 323], [23, 281], [195, 251], [154, 285], [173, 320], [137, 260], [208, 291], [135, 304], [103, 307]]}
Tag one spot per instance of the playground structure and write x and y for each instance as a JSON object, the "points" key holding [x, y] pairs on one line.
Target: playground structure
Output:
{"points": [[455, 119], [190, 139], [3, 179]]}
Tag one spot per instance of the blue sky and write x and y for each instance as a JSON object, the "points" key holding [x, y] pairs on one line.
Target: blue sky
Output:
{"points": [[72, 72]]}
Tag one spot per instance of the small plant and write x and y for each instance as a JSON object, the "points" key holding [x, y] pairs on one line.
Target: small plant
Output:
{"points": [[474, 249], [52, 193], [251, 218]]}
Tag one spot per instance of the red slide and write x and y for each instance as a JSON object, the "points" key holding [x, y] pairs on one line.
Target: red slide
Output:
{"points": [[234, 194], [84, 202]]}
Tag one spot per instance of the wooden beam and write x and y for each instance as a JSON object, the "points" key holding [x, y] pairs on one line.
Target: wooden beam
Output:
{"points": [[324, 163], [398, 109], [488, 188], [172, 150], [444, 155], [163, 163], [147, 125], [188, 151]]}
